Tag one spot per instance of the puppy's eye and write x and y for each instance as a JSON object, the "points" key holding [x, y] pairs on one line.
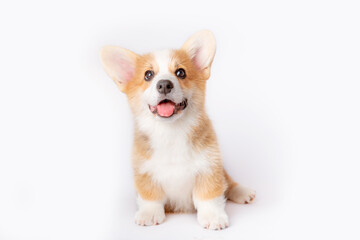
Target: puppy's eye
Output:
{"points": [[149, 74], [180, 73]]}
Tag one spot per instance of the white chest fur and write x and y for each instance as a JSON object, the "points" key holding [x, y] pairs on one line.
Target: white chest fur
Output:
{"points": [[174, 163]]}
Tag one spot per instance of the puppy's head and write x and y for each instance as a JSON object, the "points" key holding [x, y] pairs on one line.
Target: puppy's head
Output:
{"points": [[164, 84]]}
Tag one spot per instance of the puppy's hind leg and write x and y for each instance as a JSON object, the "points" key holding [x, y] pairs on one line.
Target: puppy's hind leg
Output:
{"points": [[238, 193]]}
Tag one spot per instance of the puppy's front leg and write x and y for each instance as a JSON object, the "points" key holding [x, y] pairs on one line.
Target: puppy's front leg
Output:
{"points": [[150, 201], [209, 201]]}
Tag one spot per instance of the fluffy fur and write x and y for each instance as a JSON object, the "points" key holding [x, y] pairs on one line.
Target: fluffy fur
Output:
{"points": [[176, 160]]}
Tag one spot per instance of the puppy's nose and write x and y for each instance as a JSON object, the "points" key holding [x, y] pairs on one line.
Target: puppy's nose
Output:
{"points": [[164, 86]]}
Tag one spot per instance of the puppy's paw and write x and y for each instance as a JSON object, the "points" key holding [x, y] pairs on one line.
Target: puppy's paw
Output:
{"points": [[247, 196], [149, 216], [241, 194], [212, 220]]}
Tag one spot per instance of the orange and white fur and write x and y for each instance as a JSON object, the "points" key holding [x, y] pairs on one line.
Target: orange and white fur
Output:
{"points": [[176, 159]]}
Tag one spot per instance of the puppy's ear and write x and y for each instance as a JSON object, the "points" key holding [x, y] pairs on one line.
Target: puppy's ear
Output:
{"points": [[119, 64], [201, 48]]}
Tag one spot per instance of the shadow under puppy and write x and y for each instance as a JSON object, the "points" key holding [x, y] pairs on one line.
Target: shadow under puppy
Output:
{"points": [[176, 158]]}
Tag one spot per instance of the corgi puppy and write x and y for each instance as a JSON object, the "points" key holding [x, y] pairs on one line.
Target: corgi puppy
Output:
{"points": [[176, 159]]}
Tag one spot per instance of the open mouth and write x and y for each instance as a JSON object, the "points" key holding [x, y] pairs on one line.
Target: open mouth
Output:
{"points": [[166, 108]]}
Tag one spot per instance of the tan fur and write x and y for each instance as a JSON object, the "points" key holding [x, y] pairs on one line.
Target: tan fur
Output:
{"points": [[209, 186], [144, 184], [137, 83], [147, 188], [203, 135], [141, 149], [231, 184]]}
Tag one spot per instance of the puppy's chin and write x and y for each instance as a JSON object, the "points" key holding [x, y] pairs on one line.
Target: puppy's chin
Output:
{"points": [[173, 118]]}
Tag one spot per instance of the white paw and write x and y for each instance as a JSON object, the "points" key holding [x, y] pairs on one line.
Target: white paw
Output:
{"points": [[242, 194], [248, 196], [148, 217], [214, 221]]}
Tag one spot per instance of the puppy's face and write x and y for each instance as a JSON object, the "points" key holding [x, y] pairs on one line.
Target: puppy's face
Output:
{"points": [[163, 84]]}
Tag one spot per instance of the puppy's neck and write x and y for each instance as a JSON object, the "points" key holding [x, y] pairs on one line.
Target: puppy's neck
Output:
{"points": [[158, 130]]}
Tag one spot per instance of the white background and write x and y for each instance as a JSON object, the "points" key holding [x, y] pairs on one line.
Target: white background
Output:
{"points": [[283, 97]]}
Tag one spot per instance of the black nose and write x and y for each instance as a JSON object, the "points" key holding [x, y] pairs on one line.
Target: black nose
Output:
{"points": [[164, 86]]}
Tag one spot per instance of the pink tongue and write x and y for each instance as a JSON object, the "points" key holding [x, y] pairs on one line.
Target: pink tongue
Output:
{"points": [[166, 109]]}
